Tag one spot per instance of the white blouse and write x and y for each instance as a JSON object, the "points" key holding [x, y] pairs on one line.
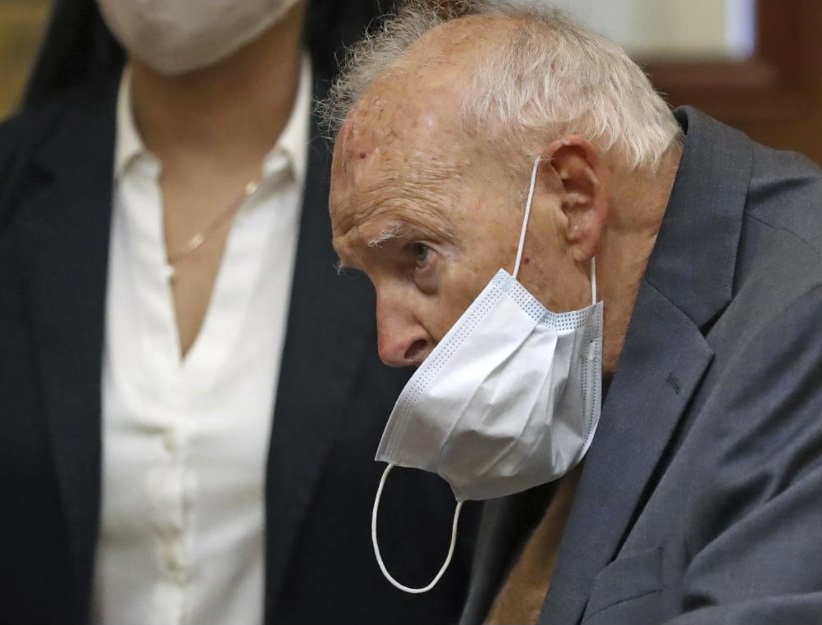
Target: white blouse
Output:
{"points": [[185, 441]]}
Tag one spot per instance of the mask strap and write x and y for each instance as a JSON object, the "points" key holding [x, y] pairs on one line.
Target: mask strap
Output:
{"points": [[593, 280], [526, 216], [377, 549]]}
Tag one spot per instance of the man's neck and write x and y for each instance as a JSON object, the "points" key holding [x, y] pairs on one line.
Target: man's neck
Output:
{"points": [[639, 202], [229, 114]]}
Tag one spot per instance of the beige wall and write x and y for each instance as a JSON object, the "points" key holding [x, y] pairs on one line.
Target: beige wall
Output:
{"points": [[669, 28], [21, 26]]}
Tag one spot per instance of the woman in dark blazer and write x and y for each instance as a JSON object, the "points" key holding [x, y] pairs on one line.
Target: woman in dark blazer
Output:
{"points": [[333, 394]]}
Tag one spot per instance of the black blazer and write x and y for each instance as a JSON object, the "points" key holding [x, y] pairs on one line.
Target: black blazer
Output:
{"points": [[333, 398]]}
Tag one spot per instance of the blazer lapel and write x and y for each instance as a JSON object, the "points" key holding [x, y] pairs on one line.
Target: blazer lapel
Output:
{"points": [[330, 331], [64, 237], [663, 360]]}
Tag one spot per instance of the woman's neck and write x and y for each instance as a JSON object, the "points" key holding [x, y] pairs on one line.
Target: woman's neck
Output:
{"points": [[229, 114]]}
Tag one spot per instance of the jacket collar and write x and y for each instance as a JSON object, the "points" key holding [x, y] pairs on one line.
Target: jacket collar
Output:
{"points": [[694, 259]]}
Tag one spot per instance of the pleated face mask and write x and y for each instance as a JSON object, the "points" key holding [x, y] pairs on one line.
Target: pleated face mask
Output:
{"points": [[179, 36], [509, 398]]}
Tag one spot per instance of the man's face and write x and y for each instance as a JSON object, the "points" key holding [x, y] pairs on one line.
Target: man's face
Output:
{"points": [[426, 213]]}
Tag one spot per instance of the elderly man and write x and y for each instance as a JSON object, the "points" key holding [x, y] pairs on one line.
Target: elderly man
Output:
{"points": [[545, 237]]}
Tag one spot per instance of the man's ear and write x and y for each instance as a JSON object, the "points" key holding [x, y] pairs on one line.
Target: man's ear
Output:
{"points": [[581, 180]]}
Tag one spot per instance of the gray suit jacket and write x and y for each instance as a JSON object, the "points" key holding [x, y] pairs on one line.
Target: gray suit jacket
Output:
{"points": [[701, 496]]}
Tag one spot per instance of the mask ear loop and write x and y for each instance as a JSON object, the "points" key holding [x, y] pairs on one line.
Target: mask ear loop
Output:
{"points": [[593, 280], [524, 229], [525, 217], [377, 549]]}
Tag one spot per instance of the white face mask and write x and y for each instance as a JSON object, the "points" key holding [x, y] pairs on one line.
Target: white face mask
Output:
{"points": [[509, 399], [178, 36]]}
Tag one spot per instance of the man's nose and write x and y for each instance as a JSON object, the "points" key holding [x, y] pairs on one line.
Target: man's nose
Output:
{"points": [[401, 339]]}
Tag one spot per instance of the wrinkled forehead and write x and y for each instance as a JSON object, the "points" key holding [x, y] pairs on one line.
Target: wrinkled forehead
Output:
{"points": [[400, 112], [395, 145], [403, 139]]}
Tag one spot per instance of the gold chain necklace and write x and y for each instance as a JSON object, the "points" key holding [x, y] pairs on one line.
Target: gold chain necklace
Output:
{"points": [[197, 241]]}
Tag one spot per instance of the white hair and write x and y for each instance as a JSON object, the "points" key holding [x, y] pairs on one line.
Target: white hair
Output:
{"points": [[548, 79]]}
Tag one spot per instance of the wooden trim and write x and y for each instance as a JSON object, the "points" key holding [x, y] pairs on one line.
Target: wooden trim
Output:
{"points": [[21, 27], [780, 81]]}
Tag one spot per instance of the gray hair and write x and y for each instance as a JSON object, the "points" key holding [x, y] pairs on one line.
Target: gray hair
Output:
{"points": [[549, 79]]}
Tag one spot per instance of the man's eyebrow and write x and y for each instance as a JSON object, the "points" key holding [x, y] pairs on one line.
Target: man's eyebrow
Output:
{"points": [[393, 230]]}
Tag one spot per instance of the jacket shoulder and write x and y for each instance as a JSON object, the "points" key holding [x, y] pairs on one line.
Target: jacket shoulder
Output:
{"points": [[26, 128], [24, 134], [785, 195]]}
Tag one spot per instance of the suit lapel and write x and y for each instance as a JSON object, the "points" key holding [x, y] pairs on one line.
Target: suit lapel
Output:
{"points": [[330, 331], [669, 356], [686, 286], [64, 236]]}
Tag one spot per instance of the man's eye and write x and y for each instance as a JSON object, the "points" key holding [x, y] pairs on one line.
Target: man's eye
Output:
{"points": [[426, 267], [422, 254]]}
